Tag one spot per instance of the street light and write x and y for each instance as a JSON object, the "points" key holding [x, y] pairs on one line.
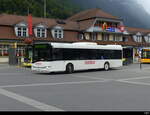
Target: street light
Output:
{"points": [[142, 45], [45, 9]]}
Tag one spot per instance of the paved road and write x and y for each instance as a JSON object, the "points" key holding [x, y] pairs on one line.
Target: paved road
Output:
{"points": [[122, 89]]}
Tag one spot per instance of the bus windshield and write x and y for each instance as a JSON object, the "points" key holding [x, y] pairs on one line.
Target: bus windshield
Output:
{"points": [[146, 54], [42, 52]]}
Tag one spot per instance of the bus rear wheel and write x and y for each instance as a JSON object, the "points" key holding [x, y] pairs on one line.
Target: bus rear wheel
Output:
{"points": [[106, 66], [69, 68]]}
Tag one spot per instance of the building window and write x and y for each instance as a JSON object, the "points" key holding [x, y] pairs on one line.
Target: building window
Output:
{"points": [[117, 38], [125, 39], [81, 36], [22, 31], [105, 37], [19, 32], [20, 51], [148, 40], [58, 33], [139, 38], [1, 50], [41, 33], [4, 50], [94, 36]]}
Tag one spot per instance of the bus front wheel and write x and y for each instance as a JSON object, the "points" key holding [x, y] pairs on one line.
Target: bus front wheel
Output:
{"points": [[69, 68], [106, 66]]}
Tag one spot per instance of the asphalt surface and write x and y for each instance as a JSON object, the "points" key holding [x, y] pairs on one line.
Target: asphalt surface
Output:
{"points": [[123, 89]]}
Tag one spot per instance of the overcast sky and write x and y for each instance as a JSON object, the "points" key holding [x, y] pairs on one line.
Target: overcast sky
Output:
{"points": [[146, 4]]}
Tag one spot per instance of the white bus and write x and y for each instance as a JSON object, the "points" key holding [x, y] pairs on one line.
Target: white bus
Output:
{"points": [[70, 57]]}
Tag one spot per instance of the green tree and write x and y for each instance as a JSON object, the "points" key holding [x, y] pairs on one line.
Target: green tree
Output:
{"points": [[55, 8]]}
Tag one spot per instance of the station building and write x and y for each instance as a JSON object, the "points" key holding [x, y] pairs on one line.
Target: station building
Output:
{"points": [[93, 25]]}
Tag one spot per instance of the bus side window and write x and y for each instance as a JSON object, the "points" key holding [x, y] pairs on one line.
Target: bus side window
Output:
{"points": [[100, 54], [102, 57], [57, 54]]}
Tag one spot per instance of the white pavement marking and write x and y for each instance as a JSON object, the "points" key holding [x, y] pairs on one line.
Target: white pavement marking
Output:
{"points": [[134, 82], [29, 101], [135, 78], [52, 84], [34, 103]]}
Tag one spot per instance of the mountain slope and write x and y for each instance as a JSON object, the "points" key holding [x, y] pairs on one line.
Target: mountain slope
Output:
{"points": [[130, 11]]}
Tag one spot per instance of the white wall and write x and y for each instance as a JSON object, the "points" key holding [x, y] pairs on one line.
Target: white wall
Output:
{"points": [[3, 59]]}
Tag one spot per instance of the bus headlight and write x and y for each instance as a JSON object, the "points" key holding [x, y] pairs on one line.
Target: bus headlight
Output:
{"points": [[48, 66]]}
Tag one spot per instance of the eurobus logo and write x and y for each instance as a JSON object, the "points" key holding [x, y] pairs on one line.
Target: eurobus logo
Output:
{"points": [[90, 62], [38, 63]]}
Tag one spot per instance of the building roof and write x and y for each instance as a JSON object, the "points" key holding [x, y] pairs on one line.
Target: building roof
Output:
{"points": [[91, 13], [133, 30], [11, 20], [84, 25], [69, 24]]}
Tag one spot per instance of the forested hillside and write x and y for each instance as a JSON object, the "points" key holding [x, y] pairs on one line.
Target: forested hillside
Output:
{"points": [[55, 8]]}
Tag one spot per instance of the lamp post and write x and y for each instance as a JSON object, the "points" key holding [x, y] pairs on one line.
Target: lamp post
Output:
{"points": [[140, 53], [45, 9]]}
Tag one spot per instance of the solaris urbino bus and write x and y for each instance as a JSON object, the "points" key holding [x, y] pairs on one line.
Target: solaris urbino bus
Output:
{"points": [[70, 57]]}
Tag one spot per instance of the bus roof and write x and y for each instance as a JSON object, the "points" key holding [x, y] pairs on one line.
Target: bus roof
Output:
{"points": [[82, 45]]}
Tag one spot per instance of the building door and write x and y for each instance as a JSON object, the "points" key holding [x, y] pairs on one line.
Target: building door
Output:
{"points": [[128, 55]]}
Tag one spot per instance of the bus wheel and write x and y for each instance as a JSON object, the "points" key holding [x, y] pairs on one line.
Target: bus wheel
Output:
{"points": [[106, 66], [69, 68]]}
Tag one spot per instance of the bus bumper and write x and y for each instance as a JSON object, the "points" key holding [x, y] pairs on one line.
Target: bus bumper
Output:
{"points": [[41, 69], [145, 60]]}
